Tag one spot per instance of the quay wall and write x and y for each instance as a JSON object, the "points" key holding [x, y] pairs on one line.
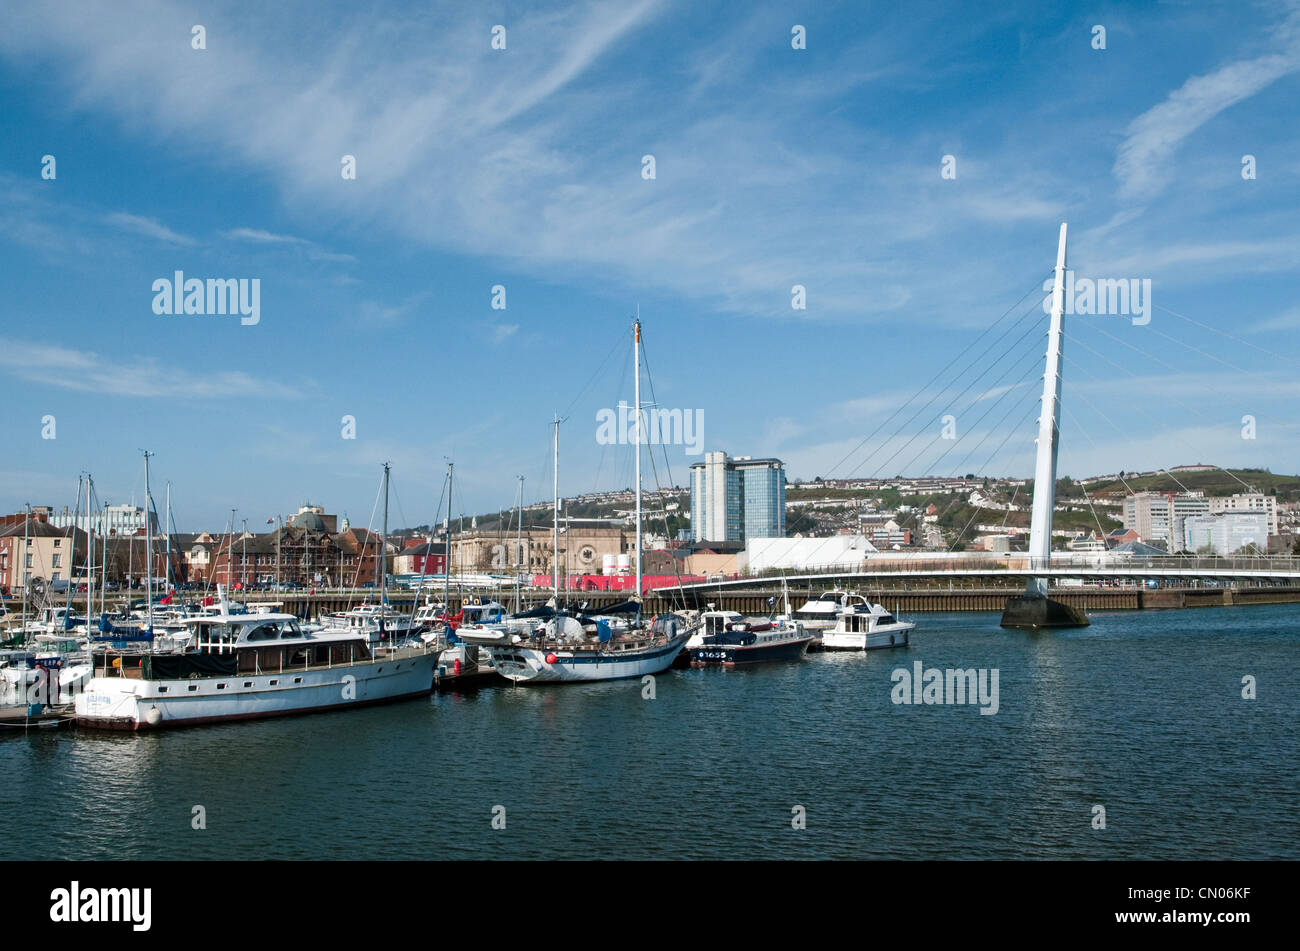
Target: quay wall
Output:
{"points": [[910, 598]]}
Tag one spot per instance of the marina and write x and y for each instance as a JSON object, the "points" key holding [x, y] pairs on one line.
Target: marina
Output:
{"points": [[440, 439], [1077, 716]]}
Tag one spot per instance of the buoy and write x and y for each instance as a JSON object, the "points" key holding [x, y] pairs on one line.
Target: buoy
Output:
{"points": [[455, 667], [550, 658]]}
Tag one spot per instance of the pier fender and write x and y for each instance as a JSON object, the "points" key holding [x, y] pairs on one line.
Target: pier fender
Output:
{"points": [[551, 658]]}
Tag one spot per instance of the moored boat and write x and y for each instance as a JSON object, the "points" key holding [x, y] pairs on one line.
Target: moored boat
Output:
{"points": [[869, 629], [727, 639], [250, 666], [566, 650]]}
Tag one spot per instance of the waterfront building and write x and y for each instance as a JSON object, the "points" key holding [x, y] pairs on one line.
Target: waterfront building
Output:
{"points": [[737, 499], [1248, 502], [313, 518], [1224, 533], [110, 520], [587, 546], [51, 554], [421, 557], [836, 552], [1159, 518], [290, 555]]}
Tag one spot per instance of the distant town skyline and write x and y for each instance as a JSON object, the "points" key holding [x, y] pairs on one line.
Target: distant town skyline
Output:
{"points": [[830, 218]]}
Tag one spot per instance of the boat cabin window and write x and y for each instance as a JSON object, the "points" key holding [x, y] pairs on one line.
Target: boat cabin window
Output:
{"points": [[264, 632]]}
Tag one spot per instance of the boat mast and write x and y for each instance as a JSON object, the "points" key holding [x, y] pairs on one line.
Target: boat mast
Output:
{"points": [[148, 545], [446, 556], [1040, 531], [103, 567], [230, 549], [90, 551], [381, 574], [167, 531], [519, 541], [636, 359], [72, 555], [27, 517], [555, 520]]}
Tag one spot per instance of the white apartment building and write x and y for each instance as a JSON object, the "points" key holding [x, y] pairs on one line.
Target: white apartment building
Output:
{"points": [[1226, 532], [1248, 502]]}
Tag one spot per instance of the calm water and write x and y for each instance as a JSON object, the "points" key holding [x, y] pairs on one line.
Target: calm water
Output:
{"points": [[1141, 713]]}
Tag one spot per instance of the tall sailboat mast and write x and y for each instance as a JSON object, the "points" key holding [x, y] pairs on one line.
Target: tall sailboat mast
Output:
{"points": [[90, 550], [381, 575], [72, 556], [103, 566], [22, 561], [636, 359], [555, 520], [446, 555], [148, 545], [519, 542], [167, 532], [230, 551]]}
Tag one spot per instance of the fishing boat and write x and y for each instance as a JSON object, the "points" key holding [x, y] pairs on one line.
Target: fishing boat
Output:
{"points": [[870, 629], [247, 666], [728, 639]]}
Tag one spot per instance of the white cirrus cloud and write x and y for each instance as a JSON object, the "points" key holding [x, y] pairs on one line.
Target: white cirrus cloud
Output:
{"points": [[149, 228], [88, 371]]}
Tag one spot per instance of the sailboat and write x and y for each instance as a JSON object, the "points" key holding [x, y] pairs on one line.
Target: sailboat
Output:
{"points": [[572, 647]]}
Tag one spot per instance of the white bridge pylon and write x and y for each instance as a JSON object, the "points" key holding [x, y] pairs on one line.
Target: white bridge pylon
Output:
{"points": [[1049, 434]]}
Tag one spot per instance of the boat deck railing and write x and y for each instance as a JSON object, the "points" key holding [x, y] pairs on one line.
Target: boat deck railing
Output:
{"points": [[381, 655]]}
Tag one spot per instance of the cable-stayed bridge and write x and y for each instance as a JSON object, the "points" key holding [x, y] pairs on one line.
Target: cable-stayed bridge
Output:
{"points": [[979, 385]]}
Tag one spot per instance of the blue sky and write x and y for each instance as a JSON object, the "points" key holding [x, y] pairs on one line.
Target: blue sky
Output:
{"points": [[523, 168]]}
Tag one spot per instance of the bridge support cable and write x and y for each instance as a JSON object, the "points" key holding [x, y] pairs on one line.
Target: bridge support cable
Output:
{"points": [[1180, 403], [942, 373], [951, 402], [1221, 333], [1083, 488], [1184, 406], [933, 466]]}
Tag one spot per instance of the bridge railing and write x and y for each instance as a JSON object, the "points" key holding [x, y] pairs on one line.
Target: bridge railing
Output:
{"points": [[1060, 564]]}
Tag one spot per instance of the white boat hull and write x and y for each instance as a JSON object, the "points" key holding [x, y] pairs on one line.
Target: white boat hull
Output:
{"points": [[557, 665], [129, 704], [891, 635]]}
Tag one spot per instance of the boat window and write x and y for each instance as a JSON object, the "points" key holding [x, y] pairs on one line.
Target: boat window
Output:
{"points": [[264, 632]]}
